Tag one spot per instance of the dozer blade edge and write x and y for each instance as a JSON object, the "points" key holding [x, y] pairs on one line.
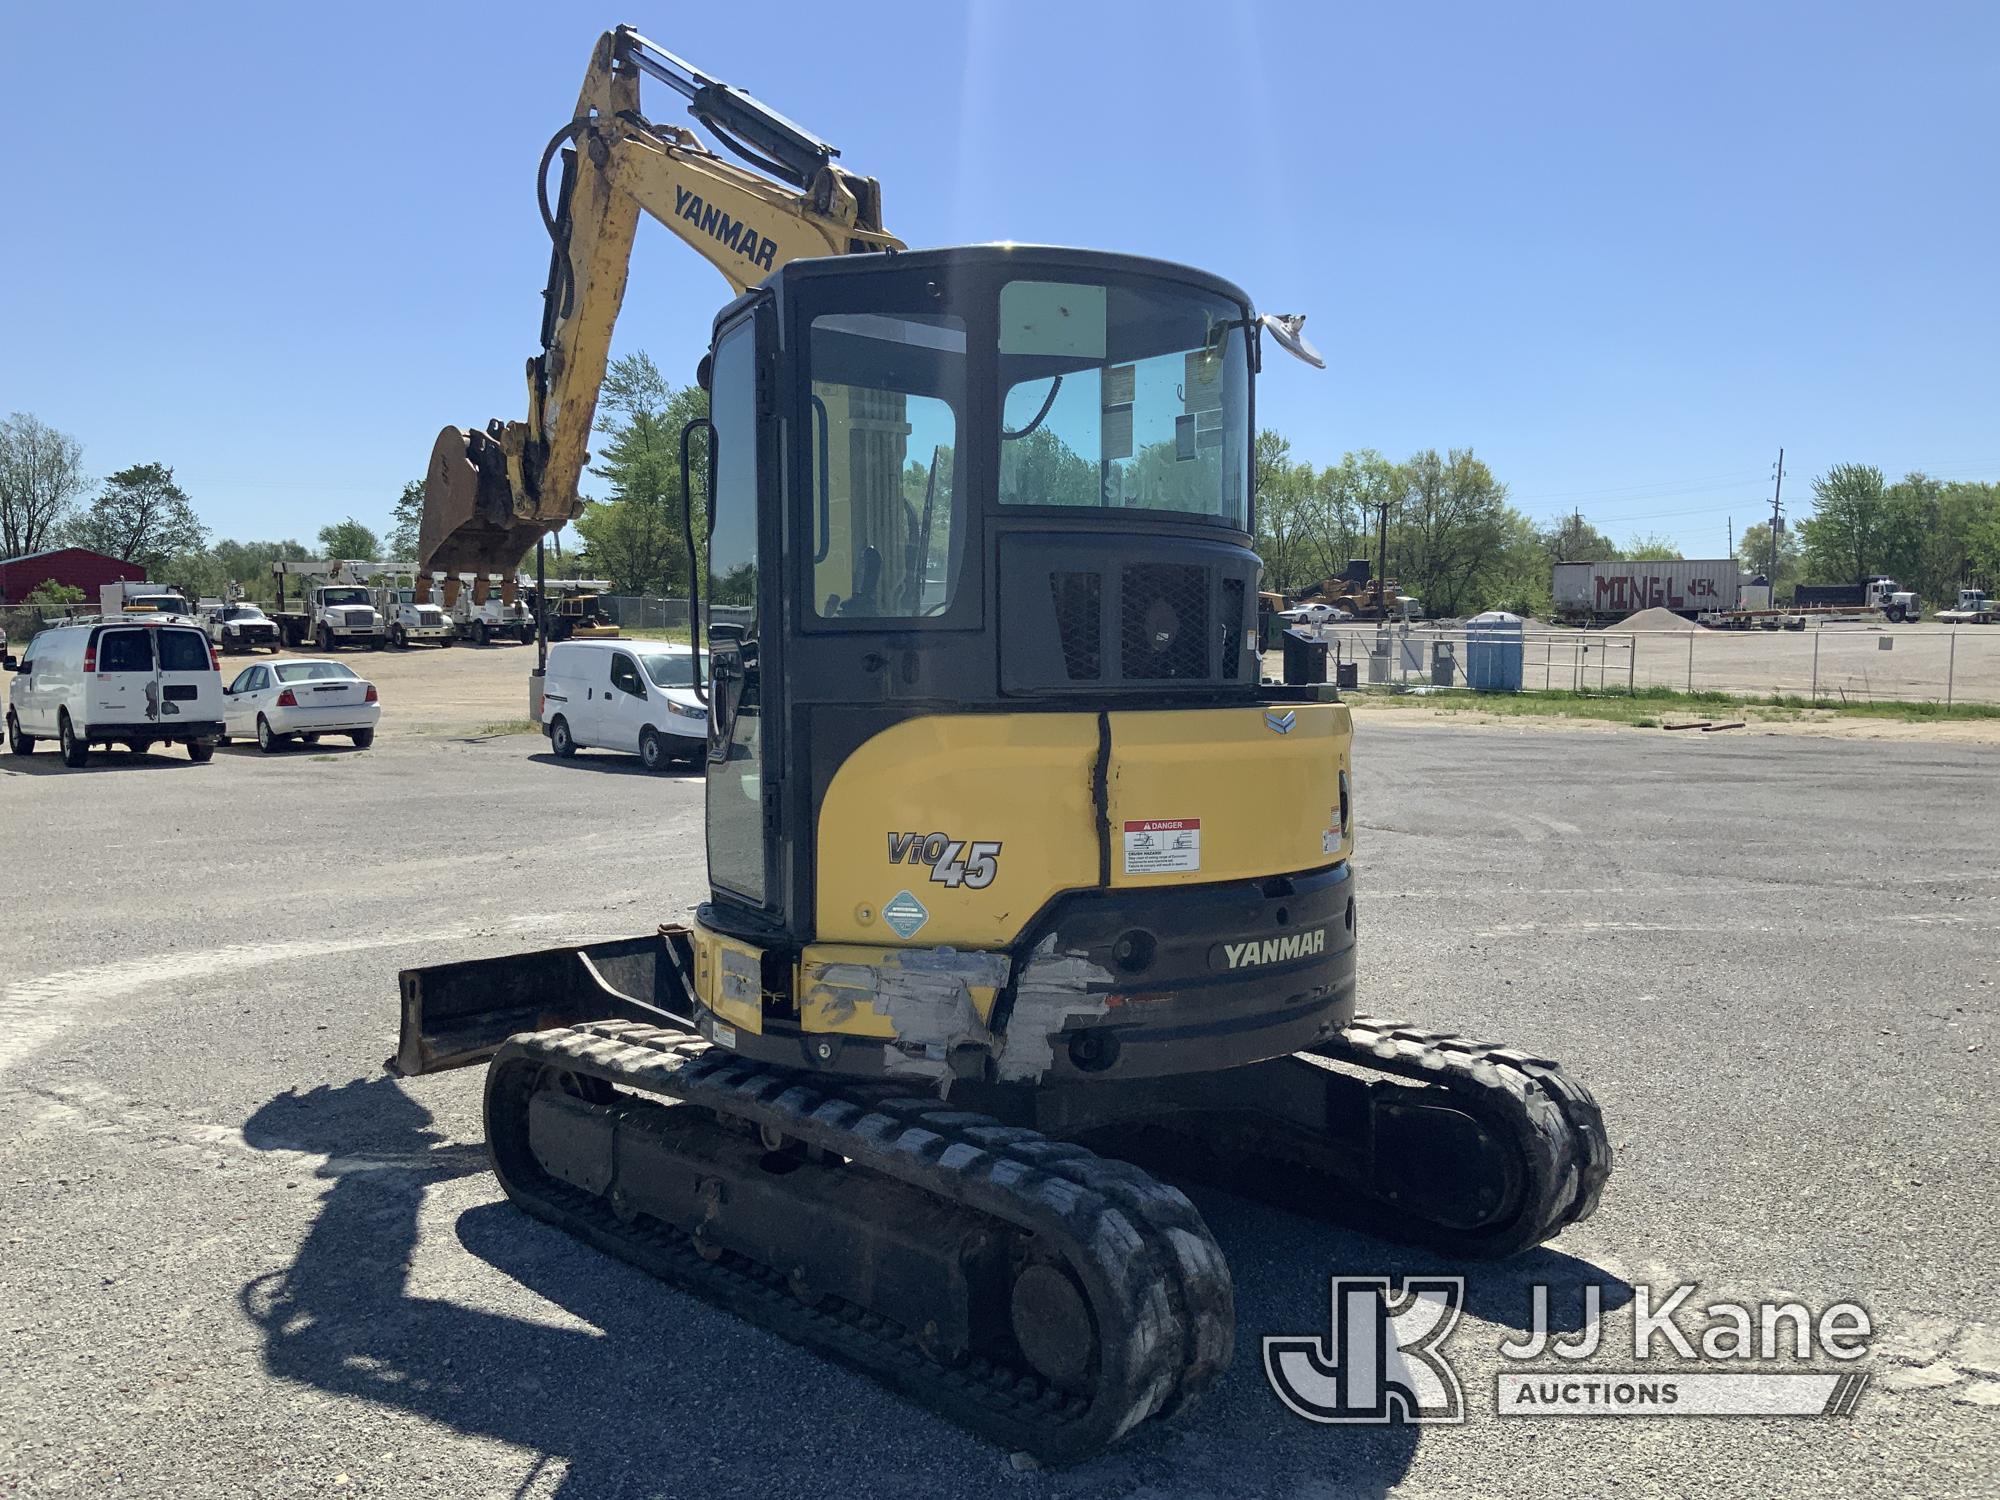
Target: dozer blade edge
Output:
{"points": [[458, 1014]]}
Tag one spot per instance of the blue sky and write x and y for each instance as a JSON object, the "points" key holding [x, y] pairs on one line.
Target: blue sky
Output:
{"points": [[1623, 252]]}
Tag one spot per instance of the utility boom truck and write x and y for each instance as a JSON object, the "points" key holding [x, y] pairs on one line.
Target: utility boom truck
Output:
{"points": [[338, 610], [129, 598]]}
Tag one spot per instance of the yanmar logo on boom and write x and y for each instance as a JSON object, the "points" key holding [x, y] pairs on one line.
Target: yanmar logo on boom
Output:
{"points": [[724, 230], [1259, 951]]}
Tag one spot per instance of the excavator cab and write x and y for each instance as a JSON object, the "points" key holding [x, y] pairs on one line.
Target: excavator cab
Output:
{"points": [[980, 589]]}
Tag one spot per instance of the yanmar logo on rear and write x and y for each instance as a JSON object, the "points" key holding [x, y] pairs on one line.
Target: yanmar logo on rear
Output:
{"points": [[1259, 951]]}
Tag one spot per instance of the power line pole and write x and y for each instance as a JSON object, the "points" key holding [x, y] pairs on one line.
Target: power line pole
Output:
{"points": [[1777, 516], [1732, 536], [1382, 578]]}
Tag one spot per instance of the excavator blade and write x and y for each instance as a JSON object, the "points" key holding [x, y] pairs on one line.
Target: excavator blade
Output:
{"points": [[469, 525], [458, 1014]]}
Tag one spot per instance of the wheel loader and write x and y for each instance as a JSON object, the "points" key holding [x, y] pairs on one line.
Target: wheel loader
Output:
{"points": [[1023, 884]]}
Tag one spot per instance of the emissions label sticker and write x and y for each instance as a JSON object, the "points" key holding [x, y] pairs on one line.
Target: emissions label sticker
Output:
{"points": [[905, 914], [1159, 846]]}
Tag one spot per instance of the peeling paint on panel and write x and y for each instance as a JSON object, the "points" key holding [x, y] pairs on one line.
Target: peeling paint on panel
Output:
{"points": [[1053, 990], [742, 977]]}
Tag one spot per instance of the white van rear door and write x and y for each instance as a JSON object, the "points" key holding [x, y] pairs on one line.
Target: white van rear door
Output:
{"points": [[124, 682], [190, 686]]}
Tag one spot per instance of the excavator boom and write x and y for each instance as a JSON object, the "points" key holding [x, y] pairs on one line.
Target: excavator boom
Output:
{"points": [[490, 493]]}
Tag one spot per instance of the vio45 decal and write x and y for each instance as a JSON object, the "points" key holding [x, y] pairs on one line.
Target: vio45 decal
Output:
{"points": [[953, 862]]}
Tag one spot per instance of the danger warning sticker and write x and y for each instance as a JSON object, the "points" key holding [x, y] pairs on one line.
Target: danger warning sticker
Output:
{"points": [[1158, 846]]}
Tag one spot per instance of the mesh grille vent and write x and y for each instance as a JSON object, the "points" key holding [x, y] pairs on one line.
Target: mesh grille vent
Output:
{"points": [[1078, 601], [1163, 624]]}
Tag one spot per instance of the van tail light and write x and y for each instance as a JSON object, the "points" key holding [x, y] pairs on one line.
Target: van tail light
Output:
{"points": [[369, 696], [90, 658], [214, 661], [288, 699]]}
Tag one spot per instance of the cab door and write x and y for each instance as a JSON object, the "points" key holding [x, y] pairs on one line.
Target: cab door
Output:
{"points": [[745, 747], [241, 703], [123, 686]]}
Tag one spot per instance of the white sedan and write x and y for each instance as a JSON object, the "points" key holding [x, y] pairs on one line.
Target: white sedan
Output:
{"points": [[1315, 614], [300, 697]]}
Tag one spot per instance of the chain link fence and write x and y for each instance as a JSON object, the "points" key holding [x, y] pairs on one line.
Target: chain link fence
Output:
{"points": [[1859, 662], [646, 612]]}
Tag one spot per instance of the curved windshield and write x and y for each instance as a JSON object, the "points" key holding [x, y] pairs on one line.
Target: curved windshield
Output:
{"points": [[344, 596], [243, 612], [1124, 397], [673, 669]]}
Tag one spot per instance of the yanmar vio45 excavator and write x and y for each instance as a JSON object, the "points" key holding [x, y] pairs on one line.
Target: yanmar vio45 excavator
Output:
{"points": [[1019, 876]]}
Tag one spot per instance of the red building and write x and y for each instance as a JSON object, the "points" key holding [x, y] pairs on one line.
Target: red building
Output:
{"points": [[79, 567]]}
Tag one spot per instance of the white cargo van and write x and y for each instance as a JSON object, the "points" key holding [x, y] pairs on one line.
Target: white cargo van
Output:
{"points": [[635, 696], [116, 683]]}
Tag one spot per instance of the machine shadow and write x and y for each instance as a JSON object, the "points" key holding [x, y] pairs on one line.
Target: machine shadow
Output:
{"points": [[643, 1397], [1302, 1255], [611, 763], [51, 764]]}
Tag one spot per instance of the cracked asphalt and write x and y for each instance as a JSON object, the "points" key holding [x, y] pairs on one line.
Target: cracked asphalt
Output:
{"points": [[237, 1259]]}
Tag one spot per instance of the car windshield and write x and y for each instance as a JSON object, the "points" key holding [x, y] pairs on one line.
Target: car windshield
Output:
{"points": [[243, 612], [311, 671], [345, 596], [673, 670], [1127, 396]]}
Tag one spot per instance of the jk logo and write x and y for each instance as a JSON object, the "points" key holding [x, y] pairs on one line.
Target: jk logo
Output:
{"points": [[1384, 1360]]}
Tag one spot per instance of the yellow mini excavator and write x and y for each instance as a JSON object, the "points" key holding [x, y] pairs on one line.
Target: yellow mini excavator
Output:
{"points": [[1022, 882]]}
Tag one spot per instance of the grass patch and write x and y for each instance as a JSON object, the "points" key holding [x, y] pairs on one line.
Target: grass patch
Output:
{"points": [[508, 726], [676, 633], [1648, 708]]}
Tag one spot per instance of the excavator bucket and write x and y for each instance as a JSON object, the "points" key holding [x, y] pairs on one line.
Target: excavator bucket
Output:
{"points": [[458, 1014], [469, 525]]}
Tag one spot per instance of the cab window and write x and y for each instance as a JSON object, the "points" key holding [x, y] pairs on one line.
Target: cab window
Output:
{"points": [[625, 676], [125, 651], [888, 512]]}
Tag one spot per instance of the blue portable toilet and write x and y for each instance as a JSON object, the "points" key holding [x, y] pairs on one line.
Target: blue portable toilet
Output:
{"points": [[1495, 646]]}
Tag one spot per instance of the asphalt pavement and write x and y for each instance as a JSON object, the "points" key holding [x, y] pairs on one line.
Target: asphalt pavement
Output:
{"points": [[237, 1259]]}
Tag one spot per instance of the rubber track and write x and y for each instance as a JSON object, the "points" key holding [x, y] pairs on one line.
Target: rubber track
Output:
{"points": [[1555, 1126], [1155, 1278]]}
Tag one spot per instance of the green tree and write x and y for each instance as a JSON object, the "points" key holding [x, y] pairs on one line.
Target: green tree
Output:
{"points": [[635, 538], [1284, 501], [1843, 538], [1650, 549], [406, 522], [1753, 555], [1450, 541], [142, 516], [1982, 533], [248, 564], [350, 540], [1522, 579], [1343, 509], [41, 477], [1573, 539], [50, 596]]}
